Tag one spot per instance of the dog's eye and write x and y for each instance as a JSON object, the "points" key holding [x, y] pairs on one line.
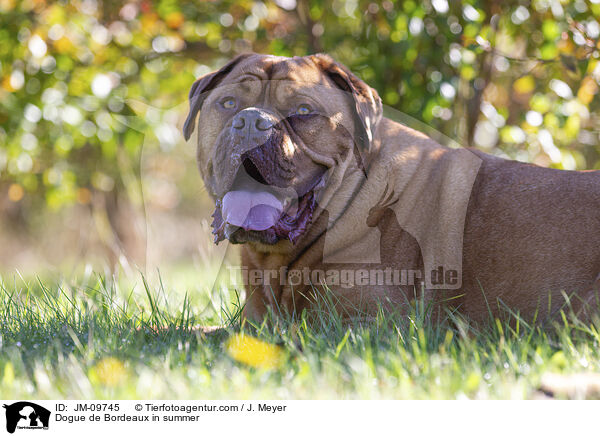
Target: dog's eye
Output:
{"points": [[228, 103], [303, 109]]}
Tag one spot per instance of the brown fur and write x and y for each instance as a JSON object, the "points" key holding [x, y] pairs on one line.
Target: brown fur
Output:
{"points": [[521, 234]]}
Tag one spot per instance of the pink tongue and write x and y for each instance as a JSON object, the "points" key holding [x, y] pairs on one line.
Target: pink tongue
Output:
{"points": [[251, 210]]}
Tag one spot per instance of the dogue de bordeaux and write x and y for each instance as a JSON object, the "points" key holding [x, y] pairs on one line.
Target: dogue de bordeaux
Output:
{"points": [[331, 201]]}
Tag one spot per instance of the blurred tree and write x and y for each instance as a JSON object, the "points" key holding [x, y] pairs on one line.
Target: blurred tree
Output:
{"points": [[516, 78]]}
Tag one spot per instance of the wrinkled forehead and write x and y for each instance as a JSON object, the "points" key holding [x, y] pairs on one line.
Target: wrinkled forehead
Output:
{"points": [[281, 81], [278, 68]]}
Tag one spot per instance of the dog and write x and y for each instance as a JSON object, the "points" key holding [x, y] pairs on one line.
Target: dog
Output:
{"points": [[332, 201]]}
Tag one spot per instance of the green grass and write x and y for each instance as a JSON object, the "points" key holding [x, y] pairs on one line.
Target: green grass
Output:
{"points": [[102, 339]]}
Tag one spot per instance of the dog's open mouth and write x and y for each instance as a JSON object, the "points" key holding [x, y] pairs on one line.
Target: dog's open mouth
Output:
{"points": [[255, 211]]}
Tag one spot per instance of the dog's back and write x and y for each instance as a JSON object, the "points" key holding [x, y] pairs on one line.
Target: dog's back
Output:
{"points": [[531, 233]]}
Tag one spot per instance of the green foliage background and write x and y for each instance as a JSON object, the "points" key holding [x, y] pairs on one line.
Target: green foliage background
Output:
{"points": [[515, 78]]}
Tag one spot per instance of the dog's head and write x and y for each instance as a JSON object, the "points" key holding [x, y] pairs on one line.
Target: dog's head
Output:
{"points": [[272, 132]]}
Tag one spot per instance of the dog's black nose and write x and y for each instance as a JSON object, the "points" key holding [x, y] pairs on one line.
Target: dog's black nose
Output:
{"points": [[253, 119]]}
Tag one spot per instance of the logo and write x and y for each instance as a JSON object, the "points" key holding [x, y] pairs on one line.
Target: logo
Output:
{"points": [[26, 415]]}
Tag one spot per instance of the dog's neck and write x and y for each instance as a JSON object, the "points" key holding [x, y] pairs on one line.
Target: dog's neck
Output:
{"points": [[408, 172], [410, 147]]}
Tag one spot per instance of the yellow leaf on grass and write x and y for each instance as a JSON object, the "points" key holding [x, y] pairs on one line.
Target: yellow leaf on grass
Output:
{"points": [[110, 371], [254, 352], [9, 375]]}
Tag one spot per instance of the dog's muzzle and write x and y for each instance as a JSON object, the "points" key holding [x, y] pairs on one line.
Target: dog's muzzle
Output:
{"points": [[252, 126]]}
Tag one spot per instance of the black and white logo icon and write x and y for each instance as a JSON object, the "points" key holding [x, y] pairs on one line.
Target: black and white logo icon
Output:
{"points": [[26, 415]]}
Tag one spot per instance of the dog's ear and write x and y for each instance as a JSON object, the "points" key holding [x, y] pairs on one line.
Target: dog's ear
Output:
{"points": [[199, 91], [367, 104]]}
